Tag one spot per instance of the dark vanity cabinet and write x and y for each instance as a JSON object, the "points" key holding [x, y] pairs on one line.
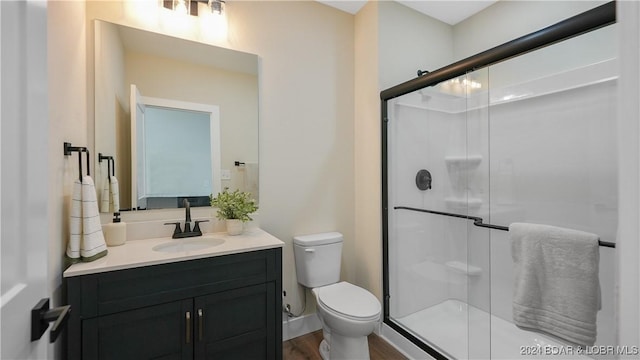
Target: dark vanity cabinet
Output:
{"points": [[222, 307]]}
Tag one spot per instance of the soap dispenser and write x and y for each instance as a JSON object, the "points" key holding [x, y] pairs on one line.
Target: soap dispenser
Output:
{"points": [[115, 233]]}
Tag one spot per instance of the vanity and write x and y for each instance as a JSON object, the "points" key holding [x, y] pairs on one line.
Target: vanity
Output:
{"points": [[215, 296]]}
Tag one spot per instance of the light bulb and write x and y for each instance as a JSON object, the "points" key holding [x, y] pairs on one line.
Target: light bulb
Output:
{"points": [[181, 6], [216, 7]]}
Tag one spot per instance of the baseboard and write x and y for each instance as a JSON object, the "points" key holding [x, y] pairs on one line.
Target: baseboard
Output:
{"points": [[404, 346], [294, 327]]}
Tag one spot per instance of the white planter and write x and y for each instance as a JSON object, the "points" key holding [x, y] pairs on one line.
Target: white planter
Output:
{"points": [[234, 226]]}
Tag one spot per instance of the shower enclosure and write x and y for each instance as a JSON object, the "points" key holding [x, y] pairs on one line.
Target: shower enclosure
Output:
{"points": [[525, 132]]}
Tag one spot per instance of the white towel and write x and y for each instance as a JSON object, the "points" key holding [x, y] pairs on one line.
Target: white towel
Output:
{"points": [[86, 242], [251, 180], [556, 288], [110, 199]]}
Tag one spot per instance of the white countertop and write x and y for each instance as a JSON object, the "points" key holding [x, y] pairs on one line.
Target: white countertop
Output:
{"points": [[138, 253]]}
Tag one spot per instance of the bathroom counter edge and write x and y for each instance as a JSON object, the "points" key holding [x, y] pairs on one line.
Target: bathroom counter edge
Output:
{"points": [[139, 253]]}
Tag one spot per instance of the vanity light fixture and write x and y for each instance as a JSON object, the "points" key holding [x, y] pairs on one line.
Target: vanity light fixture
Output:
{"points": [[190, 7], [216, 6], [181, 6]]}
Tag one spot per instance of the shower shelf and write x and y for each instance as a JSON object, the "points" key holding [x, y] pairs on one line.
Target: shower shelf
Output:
{"points": [[467, 162], [463, 268], [463, 203]]}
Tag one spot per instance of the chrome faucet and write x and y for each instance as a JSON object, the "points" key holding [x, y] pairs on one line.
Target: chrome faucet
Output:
{"points": [[178, 233]]}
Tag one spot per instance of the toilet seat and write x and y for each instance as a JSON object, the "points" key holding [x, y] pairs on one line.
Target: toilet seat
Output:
{"points": [[349, 301]]}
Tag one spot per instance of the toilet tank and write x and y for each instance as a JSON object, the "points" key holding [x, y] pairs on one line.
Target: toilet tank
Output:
{"points": [[318, 258]]}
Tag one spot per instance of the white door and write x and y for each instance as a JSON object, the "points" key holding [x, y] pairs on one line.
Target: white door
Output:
{"points": [[23, 174], [138, 181]]}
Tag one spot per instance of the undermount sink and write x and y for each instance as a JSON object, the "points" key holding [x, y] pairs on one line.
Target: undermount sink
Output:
{"points": [[192, 244]]}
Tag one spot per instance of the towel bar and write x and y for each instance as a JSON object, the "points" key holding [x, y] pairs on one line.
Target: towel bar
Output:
{"points": [[477, 221]]}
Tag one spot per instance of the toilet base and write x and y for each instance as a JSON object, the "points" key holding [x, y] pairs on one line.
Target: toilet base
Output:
{"points": [[324, 350], [344, 348]]}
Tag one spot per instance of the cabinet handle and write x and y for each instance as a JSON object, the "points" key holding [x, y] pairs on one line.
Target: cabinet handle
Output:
{"points": [[187, 317], [200, 321]]}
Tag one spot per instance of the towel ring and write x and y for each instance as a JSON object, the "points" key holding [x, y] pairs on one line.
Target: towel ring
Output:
{"points": [[68, 149], [111, 164]]}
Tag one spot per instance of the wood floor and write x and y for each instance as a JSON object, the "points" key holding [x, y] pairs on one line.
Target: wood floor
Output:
{"points": [[306, 347]]}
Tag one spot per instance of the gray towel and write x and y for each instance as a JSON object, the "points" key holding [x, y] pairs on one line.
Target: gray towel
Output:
{"points": [[556, 288]]}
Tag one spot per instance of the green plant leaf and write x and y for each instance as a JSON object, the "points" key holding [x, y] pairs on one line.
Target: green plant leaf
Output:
{"points": [[234, 205]]}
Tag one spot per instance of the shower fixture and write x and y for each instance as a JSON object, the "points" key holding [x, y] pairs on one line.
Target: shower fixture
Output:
{"points": [[423, 180]]}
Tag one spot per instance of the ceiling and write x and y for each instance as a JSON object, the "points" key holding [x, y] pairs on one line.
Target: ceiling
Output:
{"points": [[448, 11]]}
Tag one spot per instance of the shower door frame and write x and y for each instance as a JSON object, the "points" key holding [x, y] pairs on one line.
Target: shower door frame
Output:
{"points": [[596, 18]]}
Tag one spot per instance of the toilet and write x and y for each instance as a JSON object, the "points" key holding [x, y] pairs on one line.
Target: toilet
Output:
{"points": [[348, 313]]}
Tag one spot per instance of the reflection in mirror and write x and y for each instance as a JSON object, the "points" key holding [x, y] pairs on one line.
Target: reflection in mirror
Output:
{"points": [[176, 152], [184, 71]]}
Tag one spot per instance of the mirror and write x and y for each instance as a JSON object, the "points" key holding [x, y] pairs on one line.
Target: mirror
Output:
{"points": [[169, 73]]}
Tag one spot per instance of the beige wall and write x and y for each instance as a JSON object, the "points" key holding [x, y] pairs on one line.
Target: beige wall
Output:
{"points": [[110, 112], [391, 43], [367, 247], [67, 90], [306, 114], [67, 115], [481, 31], [306, 120], [409, 41]]}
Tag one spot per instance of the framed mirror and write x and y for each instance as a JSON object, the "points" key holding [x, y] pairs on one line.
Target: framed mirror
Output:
{"points": [[178, 73]]}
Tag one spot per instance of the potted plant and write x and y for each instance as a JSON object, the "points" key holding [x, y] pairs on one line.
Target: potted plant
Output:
{"points": [[234, 207]]}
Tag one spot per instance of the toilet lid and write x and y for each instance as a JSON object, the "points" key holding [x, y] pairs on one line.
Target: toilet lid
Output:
{"points": [[350, 301]]}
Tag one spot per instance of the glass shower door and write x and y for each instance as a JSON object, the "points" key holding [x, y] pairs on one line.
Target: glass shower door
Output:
{"points": [[553, 157], [438, 261]]}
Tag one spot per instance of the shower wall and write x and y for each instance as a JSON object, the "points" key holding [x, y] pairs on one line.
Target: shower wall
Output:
{"points": [[432, 133], [554, 161], [536, 145]]}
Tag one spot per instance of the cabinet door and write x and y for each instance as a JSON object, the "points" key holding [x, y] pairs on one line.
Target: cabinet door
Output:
{"points": [[237, 324], [156, 332]]}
